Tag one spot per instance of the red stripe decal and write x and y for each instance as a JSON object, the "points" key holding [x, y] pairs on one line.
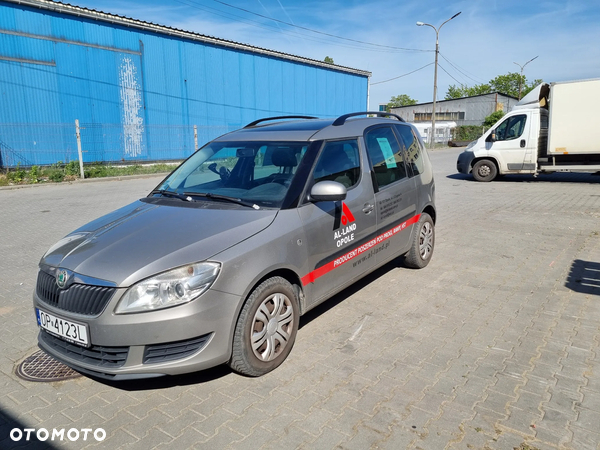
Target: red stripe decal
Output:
{"points": [[312, 276]]}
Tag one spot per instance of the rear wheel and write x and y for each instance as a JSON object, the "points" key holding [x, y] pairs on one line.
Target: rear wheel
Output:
{"points": [[266, 328], [423, 243], [485, 170]]}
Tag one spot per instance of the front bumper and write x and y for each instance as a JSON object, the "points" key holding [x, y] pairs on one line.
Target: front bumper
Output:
{"points": [[463, 163], [181, 339]]}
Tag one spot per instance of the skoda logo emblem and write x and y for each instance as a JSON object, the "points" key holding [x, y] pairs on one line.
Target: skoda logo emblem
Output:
{"points": [[61, 278]]}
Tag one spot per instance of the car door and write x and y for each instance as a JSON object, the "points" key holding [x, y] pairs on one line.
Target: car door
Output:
{"points": [[511, 140], [336, 232], [395, 192]]}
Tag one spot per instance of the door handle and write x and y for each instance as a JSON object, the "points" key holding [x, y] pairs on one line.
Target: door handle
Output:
{"points": [[522, 143], [368, 208]]}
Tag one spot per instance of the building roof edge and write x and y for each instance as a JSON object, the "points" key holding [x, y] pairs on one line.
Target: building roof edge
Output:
{"points": [[66, 8]]}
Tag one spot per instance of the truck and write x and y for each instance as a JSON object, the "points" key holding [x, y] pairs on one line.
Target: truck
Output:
{"points": [[552, 129]]}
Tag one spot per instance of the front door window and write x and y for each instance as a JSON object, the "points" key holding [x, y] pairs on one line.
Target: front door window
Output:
{"points": [[511, 128]]}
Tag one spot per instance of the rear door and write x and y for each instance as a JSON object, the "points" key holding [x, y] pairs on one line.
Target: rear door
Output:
{"points": [[395, 192], [336, 232]]}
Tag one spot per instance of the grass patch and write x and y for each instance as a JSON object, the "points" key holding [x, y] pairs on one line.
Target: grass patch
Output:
{"points": [[59, 172]]}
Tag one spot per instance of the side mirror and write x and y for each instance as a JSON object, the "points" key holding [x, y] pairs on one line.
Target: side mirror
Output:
{"points": [[328, 191], [491, 137]]}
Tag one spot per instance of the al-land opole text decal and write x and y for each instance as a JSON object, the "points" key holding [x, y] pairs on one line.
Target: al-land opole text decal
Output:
{"points": [[345, 234]]}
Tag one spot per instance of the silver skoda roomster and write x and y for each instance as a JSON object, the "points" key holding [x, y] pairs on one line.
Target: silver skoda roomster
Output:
{"points": [[217, 264]]}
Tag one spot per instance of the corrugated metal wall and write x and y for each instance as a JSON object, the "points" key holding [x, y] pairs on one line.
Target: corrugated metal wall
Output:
{"points": [[138, 94], [475, 108]]}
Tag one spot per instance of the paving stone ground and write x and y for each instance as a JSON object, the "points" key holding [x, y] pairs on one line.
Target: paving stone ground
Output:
{"points": [[495, 345]]}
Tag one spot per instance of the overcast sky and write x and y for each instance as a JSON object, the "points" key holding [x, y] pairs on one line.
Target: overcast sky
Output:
{"points": [[382, 37]]}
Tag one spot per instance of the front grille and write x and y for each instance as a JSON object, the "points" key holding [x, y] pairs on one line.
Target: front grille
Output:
{"points": [[109, 357], [78, 298], [171, 351]]}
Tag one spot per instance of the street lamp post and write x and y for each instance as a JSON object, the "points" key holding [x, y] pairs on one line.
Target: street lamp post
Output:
{"points": [[437, 51], [521, 78]]}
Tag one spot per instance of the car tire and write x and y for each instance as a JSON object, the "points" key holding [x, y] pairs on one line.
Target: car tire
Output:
{"points": [[266, 328], [485, 170], [423, 243]]}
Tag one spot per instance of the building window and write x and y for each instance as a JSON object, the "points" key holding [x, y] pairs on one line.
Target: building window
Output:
{"points": [[426, 116]]}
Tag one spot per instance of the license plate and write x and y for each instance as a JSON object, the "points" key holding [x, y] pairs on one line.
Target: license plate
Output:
{"points": [[76, 333]]}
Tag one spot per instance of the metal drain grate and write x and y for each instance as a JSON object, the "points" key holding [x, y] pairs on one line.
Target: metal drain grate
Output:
{"points": [[42, 367]]}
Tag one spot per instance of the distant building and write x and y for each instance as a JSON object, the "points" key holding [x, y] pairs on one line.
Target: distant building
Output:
{"points": [[143, 91], [455, 112]]}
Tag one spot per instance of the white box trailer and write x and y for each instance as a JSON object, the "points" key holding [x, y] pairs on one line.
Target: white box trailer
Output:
{"points": [[574, 118], [554, 128]]}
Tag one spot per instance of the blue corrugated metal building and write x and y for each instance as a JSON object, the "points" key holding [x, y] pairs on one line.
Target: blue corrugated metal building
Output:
{"points": [[138, 88]]}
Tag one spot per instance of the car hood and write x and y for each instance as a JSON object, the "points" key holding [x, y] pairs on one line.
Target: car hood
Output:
{"points": [[142, 239]]}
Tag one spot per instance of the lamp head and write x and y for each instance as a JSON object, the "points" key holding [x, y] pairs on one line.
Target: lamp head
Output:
{"points": [[420, 24]]}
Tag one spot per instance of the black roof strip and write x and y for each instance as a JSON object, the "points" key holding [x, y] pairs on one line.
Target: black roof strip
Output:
{"points": [[256, 122], [342, 119]]}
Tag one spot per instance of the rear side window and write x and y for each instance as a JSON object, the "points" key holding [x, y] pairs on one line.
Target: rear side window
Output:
{"points": [[386, 156], [339, 161], [413, 148]]}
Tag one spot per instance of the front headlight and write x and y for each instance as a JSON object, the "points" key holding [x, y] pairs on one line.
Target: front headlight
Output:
{"points": [[171, 288]]}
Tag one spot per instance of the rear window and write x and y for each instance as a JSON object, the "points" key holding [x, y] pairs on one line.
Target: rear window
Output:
{"points": [[413, 149]]}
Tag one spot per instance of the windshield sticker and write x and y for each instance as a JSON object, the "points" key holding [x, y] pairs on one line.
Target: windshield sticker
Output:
{"points": [[358, 251], [345, 235], [388, 153]]}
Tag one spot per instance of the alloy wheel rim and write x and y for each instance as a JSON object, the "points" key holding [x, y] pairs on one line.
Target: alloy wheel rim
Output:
{"points": [[426, 240], [272, 327]]}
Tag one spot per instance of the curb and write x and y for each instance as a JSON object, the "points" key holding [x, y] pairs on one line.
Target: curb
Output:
{"points": [[86, 180]]}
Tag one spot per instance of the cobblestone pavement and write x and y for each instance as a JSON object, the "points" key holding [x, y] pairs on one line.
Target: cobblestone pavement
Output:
{"points": [[495, 345]]}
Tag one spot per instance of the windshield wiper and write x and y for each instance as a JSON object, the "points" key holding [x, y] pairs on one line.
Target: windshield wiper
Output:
{"points": [[239, 201], [166, 193]]}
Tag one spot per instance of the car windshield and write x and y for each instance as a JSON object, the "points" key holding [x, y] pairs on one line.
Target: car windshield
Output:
{"points": [[257, 173]]}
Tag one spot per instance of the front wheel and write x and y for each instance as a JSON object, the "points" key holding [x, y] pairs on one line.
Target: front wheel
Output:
{"points": [[266, 328], [423, 243], [485, 170]]}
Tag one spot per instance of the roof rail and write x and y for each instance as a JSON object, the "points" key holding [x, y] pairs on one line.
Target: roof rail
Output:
{"points": [[256, 122], [342, 119]]}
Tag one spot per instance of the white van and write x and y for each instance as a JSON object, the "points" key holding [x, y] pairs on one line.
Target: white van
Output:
{"points": [[552, 129]]}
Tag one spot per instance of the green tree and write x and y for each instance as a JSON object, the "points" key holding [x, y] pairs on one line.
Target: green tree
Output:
{"points": [[400, 100], [509, 84], [328, 60], [506, 84], [467, 91], [493, 118]]}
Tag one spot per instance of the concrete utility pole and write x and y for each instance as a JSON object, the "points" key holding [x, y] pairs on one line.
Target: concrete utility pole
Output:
{"points": [[437, 51], [521, 79]]}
